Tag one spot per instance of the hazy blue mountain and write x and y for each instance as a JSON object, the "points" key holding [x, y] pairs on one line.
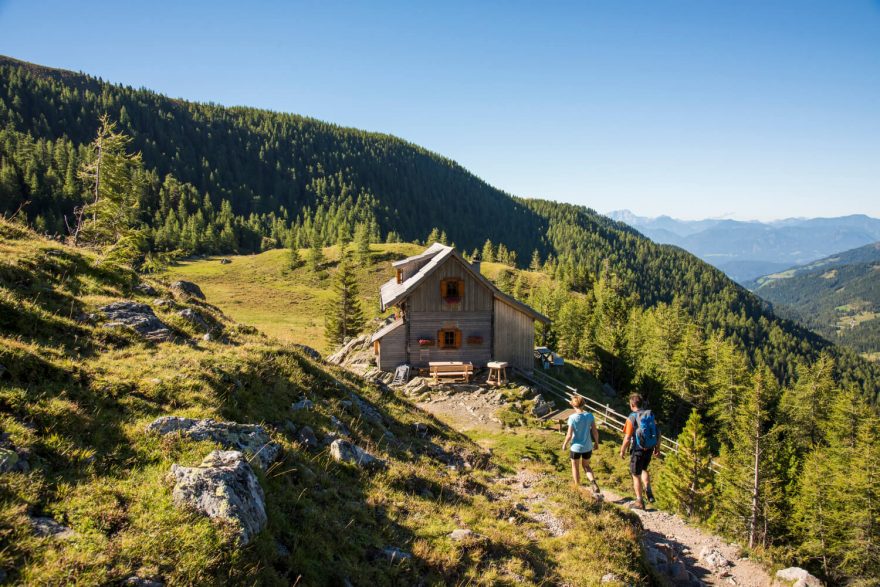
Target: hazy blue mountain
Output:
{"points": [[746, 250]]}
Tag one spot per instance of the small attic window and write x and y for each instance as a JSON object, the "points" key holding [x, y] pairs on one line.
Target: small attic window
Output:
{"points": [[451, 290], [399, 276]]}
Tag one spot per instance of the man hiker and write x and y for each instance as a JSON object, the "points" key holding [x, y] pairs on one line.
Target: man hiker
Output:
{"points": [[584, 436], [642, 436]]}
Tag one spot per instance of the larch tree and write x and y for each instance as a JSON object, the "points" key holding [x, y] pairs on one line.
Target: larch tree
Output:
{"points": [[344, 317], [316, 253], [685, 483]]}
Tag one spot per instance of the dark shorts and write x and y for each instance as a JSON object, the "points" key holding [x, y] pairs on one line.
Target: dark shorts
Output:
{"points": [[576, 456], [639, 461]]}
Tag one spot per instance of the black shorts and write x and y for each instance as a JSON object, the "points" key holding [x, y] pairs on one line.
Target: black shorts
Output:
{"points": [[576, 456], [639, 461]]}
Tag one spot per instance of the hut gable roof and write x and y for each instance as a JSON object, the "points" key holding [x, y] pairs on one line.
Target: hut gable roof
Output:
{"points": [[433, 257]]}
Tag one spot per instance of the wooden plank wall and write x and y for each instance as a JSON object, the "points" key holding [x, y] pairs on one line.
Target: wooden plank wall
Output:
{"points": [[514, 337], [426, 325], [392, 349], [426, 298]]}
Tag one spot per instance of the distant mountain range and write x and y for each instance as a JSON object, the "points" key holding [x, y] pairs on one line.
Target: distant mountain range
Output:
{"points": [[746, 250], [838, 296]]}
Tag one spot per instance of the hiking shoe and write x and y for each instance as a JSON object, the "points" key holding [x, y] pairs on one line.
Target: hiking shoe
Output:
{"points": [[595, 488], [650, 495], [637, 504]]}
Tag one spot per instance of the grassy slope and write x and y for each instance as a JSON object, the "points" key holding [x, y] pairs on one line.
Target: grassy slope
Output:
{"points": [[77, 396]]}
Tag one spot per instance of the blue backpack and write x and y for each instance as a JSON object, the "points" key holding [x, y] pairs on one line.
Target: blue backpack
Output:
{"points": [[647, 434]]}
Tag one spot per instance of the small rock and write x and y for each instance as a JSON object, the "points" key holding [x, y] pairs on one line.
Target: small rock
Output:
{"points": [[609, 578], [146, 289], [208, 337], [8, 460], [163, 302], [223, 487], [799, 576], [139, 317], [249, 438], [420, 429], [187, 289], [461, 534], [46, 527], [303, 404], [339, 426], [396, 555], [344, 451], [307, 437], [135, 581], [714, 559], [225, 261], [195, 318], [541, 407]]}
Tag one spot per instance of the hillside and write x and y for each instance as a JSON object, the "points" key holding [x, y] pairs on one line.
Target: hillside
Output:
{"points": [[88, 495], [747, 250], [220, 180], [838, 296]]}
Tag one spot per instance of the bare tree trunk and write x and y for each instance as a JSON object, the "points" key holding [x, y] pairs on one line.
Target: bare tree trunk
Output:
{"points": [[753, 518]]}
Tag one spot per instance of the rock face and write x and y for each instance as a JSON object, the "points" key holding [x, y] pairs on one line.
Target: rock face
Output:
{"points": [[356, 352], [139, 317], [187, 289], [248, 438], [223, 487], [344, 451], [541, 407], [194, 318], [798, 577]]}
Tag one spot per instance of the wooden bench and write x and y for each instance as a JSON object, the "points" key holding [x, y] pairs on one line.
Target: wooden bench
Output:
{"points": [[455, 370]]}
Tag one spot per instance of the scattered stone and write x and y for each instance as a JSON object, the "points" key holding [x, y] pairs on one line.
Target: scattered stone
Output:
{"points": [[163, 302], [208, 337], [195, 318], [368, 410], [248, 438], [47, 527], [225, 261], [714, 559], [223, 487], [309, 352], [303, 404], [344, 451], [187, 289], [461, 534], [541, 407], [396, 555], [135, 581], [307, 437], [421, 429], [8, 460], [799, 577], [139, 317], [609, 578], [146, 289], [339, 426]]}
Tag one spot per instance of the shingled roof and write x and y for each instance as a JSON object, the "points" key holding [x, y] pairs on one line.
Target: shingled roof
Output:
{"points": [[434, 256]]}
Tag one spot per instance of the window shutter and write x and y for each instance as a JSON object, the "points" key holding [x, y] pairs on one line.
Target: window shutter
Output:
{"points": [[461, 289], [439, 339], [457, 338]]}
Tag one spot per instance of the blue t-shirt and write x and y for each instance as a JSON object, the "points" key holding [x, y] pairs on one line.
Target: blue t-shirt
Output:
{"points": [[581, 424]]}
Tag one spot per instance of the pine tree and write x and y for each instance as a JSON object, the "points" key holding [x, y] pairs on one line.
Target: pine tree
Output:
{"points": [[685, 484], [296, 260], [535, 264], [344, 317], [728, 378], [804, 405], [316, 254], [362, 243], [749, 500], [688, 368], [114, 177], [488, 253]]}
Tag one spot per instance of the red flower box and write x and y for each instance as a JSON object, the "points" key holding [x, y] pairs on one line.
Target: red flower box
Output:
{"points": [[426, 342], [475, 340], [452, 299]]}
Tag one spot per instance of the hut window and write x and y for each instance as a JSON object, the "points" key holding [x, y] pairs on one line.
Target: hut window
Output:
{"points": [[451, 290], [449, 338], [399, 276]]}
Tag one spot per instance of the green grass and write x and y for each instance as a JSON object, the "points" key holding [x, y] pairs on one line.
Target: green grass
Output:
{"points": [[77, 396]]}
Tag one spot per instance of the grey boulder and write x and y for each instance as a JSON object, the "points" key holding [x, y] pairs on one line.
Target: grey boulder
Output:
{"points": [[47, 527], [248, 438], [798, 577], [224, 488], [138, 317], [195, 318], [187, 289], [344, 451]]}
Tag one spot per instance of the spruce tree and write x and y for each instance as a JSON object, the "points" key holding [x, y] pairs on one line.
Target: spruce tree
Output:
{"points": [[535, 264], [316, 254], [344, 317], [296, 260], [488, 251], [362, 243], [685, 484]]}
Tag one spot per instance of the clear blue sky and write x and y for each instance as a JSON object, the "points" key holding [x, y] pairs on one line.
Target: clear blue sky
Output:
{"points": [[751, 109]]}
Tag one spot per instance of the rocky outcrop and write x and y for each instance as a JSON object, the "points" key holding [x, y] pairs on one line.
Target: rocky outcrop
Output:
{"points": [[195, 318], [796, 577], [47, 527], [355, 353], [309, 352], [187, 289], [138, 317], [146, 289], [303, 404], [541, 407], [224, 488], [344, 451], [248, 438]]}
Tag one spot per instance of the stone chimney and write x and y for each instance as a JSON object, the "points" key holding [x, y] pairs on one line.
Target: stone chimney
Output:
{"points": [[475, 262]]}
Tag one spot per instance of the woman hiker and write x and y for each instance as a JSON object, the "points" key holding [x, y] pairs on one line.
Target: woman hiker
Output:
{"points": [[581, 427]]}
